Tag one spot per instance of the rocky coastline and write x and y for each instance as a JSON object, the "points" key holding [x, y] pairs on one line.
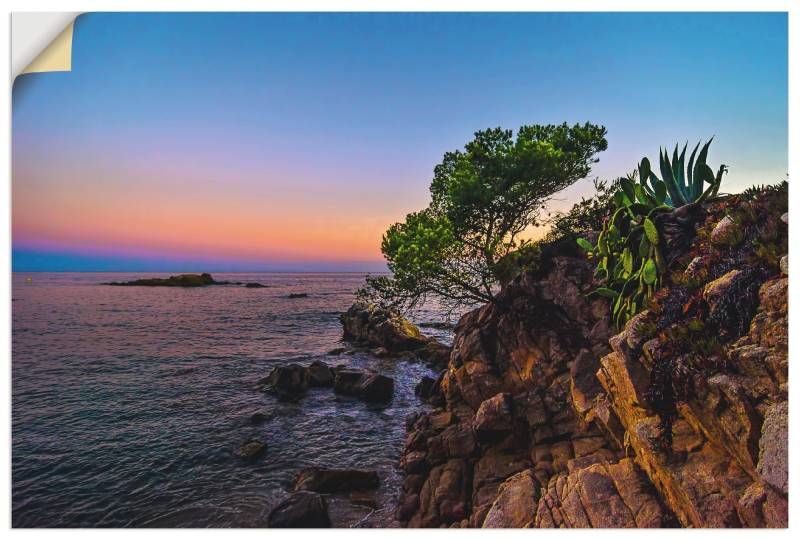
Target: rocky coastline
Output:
{"points": [[547, 416], [544, 415]]}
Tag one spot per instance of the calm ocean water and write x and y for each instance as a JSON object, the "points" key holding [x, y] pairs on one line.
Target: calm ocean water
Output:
{"points": [[128, 401]]}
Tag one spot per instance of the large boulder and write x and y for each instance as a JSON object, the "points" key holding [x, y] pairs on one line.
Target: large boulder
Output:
{"points": [[288, 381], [320, 374], [364, 385], [334, 480], [348, 381], [376, 388], [300, 510], [372, 326]]}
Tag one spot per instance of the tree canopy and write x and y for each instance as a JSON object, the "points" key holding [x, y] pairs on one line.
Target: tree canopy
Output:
{"points": [[482, 199]]}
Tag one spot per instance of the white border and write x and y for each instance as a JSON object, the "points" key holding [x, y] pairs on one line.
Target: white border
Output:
{"points": [[410, 5]]}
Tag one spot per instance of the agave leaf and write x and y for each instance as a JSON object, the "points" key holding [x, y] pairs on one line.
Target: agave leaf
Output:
{"points": [[701, 161], [650, 272], [585, 245], [681, 175], [703, 173], [644, 171], [701, 157], [651, 231], [695, 189], [669, 180]]}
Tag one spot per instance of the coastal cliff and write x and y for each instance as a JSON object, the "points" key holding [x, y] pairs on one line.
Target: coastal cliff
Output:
{"points": [[546, 416]]}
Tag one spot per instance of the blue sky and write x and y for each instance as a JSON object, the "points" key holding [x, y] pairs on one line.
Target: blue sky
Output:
{"points": [[291, 141]]}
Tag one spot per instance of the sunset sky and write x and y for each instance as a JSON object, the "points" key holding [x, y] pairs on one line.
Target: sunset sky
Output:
{"points": [[203, 142]]}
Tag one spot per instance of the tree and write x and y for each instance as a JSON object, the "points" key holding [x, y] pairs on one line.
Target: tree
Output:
{"points": [[482, 199]]}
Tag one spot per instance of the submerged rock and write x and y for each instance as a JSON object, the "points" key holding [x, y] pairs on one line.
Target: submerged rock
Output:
{"points": [[334, 480], [298, 295], [300, 510], [258, 418], [251, 449], [181, 280], [348, 381]]}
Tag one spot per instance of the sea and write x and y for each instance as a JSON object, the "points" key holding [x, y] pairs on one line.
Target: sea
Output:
{"points": [[128, 402]]}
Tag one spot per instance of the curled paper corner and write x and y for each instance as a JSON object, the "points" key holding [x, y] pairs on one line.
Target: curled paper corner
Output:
{"points": [[55, 57], [41, 42]]}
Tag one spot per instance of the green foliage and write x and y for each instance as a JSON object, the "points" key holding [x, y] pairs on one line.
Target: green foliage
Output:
{"points": [[754, 192], [681, 185], [482, 198], [585, 216], [629, 250], [524, 259]]}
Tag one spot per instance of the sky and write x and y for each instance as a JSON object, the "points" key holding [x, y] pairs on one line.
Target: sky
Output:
{"points": [[290, 142]]}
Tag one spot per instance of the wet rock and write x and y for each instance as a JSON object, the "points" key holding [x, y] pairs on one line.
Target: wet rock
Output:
{"points": [[298, 295], [251, 449], [337, 351], [376, 388], [348, 381], [424, 388], [288, 381], [367, 499], [255, 286], [334, 480], [320, 374], [300, 510], [372, 326]]}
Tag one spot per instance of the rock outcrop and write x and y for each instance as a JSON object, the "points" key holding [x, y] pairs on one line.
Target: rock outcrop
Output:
{"points": [[548, 417], [300, 510], [371, 326]]}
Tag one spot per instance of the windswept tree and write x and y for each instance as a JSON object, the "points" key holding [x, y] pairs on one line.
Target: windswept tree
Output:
{"points": [[482, 199]]}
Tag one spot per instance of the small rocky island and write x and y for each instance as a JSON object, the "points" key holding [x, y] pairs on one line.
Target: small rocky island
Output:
{"points": [[181, 280]]}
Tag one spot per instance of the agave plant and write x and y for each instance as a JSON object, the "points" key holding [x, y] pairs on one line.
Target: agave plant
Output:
{"points": [[680, 187]]}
